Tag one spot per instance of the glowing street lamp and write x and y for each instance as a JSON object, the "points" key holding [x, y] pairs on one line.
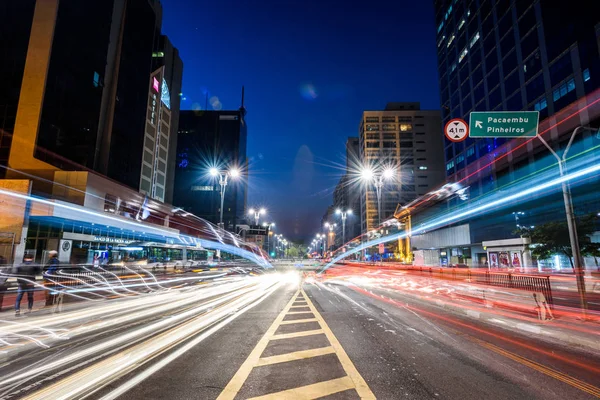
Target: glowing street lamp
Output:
{"points": [[257, 214], [378, 177], [343, 214], [223, 178]]}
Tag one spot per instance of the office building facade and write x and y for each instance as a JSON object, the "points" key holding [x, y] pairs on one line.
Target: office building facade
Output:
{"points": [[511, 56], [347, 197], [211, 139], [407, 139], [518, 55], [77, 113]]}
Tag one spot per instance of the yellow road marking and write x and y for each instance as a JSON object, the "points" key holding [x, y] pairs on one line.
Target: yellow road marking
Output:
{"points": [[234, 386], [314, 391], [361, 386], [298, 312], [298, 321], [296, 355], [353, 380], [297, 334], [581, 385]]}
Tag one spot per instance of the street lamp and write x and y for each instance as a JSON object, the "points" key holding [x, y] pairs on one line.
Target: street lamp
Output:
{"points": [[223, 177], [378, 177], [320, 242], [256, 214], [268, 225], [344, 214], [571, 222]]}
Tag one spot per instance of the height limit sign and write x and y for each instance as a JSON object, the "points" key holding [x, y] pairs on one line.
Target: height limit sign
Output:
{"points": [[456, 130]]}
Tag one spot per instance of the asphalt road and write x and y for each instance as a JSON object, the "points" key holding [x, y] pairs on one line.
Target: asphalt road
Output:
{"points": [[334, 342]]}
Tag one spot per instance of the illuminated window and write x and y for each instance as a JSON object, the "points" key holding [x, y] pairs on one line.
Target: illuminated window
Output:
{"points": [[422, 167], [453, 67], [540, 105], [463, 54], [96, 79], [470, 151], [202, 188], [441, 40], [450, 165], [586, 74], [450, 40], [372, 127], [158, 54], [474, 40], [461, 24], [440, 26], [563, 89]]}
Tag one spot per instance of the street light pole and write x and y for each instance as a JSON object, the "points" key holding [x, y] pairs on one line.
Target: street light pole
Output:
{"points": [[378, 178], [343, 214], [256, 214], [223, 178], [571, 222]]}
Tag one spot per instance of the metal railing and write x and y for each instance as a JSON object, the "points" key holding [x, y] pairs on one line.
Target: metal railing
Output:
{"points": [[506, 280]]}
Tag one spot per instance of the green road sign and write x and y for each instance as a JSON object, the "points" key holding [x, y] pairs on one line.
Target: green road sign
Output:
{"points": [[503, 124]]}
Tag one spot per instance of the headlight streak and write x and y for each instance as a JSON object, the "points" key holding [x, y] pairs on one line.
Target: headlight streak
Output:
{"points": [[88, 380], [158, 303], [19, 377], [149, 228], [444, 220]]}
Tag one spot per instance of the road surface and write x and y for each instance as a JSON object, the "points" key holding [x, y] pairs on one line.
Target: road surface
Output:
{"points": [[271, 337]]}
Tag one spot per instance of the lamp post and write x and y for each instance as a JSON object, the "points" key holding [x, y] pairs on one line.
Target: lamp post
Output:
{"points": [[256, 213], [329, 237], [223, 178], [378, 177], [571, 222], [343, 214], [268, 225], [320, 242]]}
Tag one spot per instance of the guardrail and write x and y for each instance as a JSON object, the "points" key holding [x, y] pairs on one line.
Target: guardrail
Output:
{"points": [[507, 280]]}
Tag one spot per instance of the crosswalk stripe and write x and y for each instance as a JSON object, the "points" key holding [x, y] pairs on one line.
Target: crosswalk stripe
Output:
{"points": [[297, 334], [313, 391], [299, 312], [298, 321], [296, 355]]}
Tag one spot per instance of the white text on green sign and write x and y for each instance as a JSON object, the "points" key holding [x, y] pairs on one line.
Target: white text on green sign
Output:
{"points": [[507, 124]]}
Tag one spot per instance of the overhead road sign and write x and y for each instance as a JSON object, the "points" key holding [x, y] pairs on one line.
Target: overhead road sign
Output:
{"points": [[456, 130], [503, 124]]}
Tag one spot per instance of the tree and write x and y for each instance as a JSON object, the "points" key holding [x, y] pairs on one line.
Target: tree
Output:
{"points": [[553, 238], [293, 252]]}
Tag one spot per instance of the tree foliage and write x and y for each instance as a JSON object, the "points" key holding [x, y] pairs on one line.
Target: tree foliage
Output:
{"points": [[553, 238]]}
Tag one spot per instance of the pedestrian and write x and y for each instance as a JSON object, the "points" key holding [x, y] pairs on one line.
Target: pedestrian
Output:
{"points": [[25, 274], [4, 274], [55, 295]]}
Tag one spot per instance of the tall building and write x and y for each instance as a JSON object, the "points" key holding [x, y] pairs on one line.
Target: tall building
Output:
{"points": [[407, 139], [60, 112], [503, 55], [347, 197], [162, 120], [510, 56], [211, 139]]}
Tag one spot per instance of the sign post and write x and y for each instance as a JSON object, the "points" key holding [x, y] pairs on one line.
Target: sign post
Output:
{"points": [[503, 124]]}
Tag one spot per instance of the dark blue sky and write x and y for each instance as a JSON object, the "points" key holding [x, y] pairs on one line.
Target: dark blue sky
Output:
{"points": [[309, 68]]}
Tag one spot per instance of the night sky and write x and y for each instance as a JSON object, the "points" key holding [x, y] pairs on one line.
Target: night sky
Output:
{"points": [[309, 68]]}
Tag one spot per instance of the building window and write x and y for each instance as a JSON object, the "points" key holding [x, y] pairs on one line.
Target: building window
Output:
{"points": [[463, 54], [586, 74], [563, 89], [450, 40], [450, 165], [373, 119], [202, 188], [474, 40], [388, 119], [461, 24], [389, 127], [540, 105], [405, 127], [470, 151], [422, 167], [372, 127], [96, 79], [372, 145], [405, 119], [158, 54]]}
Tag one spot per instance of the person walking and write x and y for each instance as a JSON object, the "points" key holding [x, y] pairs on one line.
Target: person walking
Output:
{"points": [[25, 274], [55, 295]]}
